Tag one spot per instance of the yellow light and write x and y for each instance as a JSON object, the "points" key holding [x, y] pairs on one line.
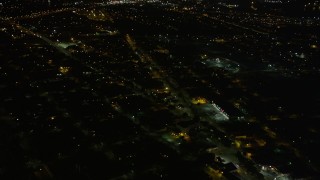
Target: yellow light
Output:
{"points": [[248, 145], [249, 155], [238, 144], [261, 142], [219, 40], [199, 100], [214, 173], [184, 135], [64, 70], [313, 46]]}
